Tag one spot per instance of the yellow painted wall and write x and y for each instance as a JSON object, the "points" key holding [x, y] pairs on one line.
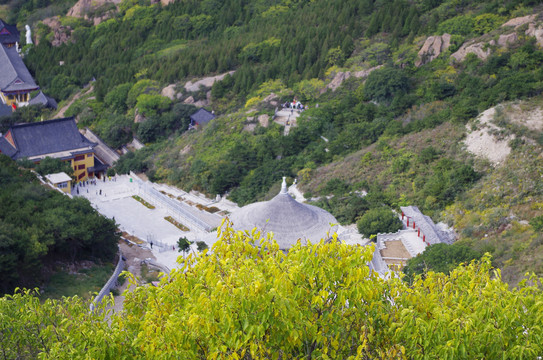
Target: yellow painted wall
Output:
{"points": [[12, 99], [6, 99], [88, 161], [67, 190]]}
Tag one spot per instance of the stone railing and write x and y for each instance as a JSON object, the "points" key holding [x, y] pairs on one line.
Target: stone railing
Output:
{"points": [[173, 207], [110, 283]]}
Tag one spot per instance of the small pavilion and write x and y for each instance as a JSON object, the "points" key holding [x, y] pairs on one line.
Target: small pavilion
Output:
{"points": [[288, 219]]}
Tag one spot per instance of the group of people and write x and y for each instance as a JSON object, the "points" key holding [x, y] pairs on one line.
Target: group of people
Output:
{"points": [[86, 183], [295, 105]]}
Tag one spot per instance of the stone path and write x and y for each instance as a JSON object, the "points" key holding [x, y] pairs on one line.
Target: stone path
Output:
{"points": [[61, 112], [287, 118], [115, 201]]}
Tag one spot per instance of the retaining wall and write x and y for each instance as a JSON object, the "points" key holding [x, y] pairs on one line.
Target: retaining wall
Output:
{"points": [[110, 284]]}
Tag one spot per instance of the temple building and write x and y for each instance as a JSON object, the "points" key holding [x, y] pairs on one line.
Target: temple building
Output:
{"points": [[16, 83], [9, 35], [44, 100], [200, 118], [59, 139], [288, 219]]}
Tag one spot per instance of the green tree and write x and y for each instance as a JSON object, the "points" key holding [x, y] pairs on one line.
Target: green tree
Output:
{"points": [[183, 245], [116, 98], [335, 56], [150, 105], [51, 165], [385, 84], [378, 220], [201, 246], [316, 301], [439, 258]]}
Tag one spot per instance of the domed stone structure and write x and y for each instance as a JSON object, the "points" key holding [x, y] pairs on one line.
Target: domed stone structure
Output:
{"points": [[288, 219]]}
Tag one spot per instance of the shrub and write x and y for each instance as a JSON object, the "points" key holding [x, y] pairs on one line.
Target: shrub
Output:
{"points": [[439, 258], [379, 220], [537, 223]]}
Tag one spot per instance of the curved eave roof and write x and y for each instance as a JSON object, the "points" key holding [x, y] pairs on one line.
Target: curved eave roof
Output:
{"points": [[288, 219], [14, 75]]}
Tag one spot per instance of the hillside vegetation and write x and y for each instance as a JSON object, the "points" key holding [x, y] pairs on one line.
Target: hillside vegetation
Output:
{"points": [[382, 118]]}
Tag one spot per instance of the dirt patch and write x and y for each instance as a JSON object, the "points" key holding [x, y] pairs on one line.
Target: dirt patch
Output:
{"points": [[61, 112], [519, 114], [483, 143], [395, 249]]}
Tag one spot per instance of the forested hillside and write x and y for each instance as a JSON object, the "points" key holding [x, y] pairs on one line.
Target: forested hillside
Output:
{"points": [[41, 229], [384, 116]]}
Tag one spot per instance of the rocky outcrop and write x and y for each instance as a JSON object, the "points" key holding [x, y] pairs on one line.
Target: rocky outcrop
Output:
{"points": [[264, 120], [90, 10], [271, 99], [537, 32], [61, 34], [99, 19], [342, 76], [138, 118], [481, 49], [82, 8], [516, 22], [507, 39], [169, 92], [205, 82], [204, 102], [432, 48], [166, 2]]}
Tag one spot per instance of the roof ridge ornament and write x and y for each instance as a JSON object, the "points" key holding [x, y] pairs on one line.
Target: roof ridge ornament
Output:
{"points": [[284, 189]]}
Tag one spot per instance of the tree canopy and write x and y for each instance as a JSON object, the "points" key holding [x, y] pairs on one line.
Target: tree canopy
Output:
{"points": [[39, 225], [319, 301], [378, 220]]}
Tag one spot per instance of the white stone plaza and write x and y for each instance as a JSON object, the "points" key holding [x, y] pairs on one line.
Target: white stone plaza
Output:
{"points": [[113, 198]]}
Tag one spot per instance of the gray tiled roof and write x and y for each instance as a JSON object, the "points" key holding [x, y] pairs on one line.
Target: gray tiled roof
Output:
{"points": [[201, 117], [14, 75], [42, 99], [5, 110], [288, 219], [48, 137], [6, 148], [13, 35], [426, 225]]}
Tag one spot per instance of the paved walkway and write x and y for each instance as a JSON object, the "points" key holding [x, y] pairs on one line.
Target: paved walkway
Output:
{"points": [[113, 199], [287, 118]]}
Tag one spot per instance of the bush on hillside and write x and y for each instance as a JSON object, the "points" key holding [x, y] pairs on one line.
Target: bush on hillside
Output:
{"points": [[439, 258], [379, 220]]}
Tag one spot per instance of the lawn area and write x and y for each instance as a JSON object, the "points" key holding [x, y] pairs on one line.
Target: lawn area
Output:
{"points": [[84, 283]]}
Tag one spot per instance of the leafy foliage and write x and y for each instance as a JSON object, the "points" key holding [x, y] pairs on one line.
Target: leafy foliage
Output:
{"points": [[51, 166], [316, 301], [378, 220], [441, 258]]}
